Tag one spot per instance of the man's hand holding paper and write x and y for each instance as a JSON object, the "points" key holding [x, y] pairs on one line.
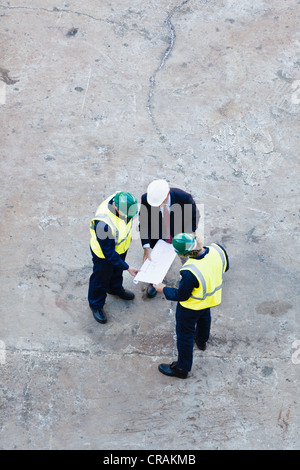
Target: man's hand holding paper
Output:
{"points": [[159, 287], [154, 271]]}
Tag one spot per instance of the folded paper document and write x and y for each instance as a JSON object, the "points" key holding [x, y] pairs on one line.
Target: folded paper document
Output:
{"points": [[154, 271]]}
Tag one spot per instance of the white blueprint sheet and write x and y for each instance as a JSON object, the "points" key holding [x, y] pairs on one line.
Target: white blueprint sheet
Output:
{"points": [[154, 271]]}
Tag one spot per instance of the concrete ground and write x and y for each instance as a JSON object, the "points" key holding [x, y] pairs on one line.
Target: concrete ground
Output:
{"points": [[99, 96]]}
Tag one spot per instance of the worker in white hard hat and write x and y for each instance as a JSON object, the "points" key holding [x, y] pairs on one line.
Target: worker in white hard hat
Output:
{"points": [[164, 213]]}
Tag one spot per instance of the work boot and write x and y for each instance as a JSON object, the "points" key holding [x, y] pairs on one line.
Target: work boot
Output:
{"points": [[125, 294], [151, 291], [172, 370], [200, 344], [99, 315]]}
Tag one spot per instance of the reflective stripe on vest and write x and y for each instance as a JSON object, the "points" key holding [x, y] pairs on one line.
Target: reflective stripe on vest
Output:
{"points": [[107, 219], [196, 302]]}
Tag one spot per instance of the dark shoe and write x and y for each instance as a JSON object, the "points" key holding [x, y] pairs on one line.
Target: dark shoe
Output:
{"points": [[151, 291], [201, 345], [172, 370], [125, 294], [99, 315]]}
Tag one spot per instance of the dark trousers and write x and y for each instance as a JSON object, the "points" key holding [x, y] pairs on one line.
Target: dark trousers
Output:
{"points": [[105, 278], [188, 324]]}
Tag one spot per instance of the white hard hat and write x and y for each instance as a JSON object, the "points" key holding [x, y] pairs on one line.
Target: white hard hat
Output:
{"points": [[157, 192]]}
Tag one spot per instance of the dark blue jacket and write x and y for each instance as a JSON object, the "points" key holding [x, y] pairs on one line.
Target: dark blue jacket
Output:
{"points": [[184, 217]]}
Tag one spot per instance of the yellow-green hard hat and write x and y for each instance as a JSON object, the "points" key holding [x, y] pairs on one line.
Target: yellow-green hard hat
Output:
{"points": [[126, 203], [183, 243]]}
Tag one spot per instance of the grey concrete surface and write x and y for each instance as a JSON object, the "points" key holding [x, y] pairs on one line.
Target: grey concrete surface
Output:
{"points": [[99, 96]]}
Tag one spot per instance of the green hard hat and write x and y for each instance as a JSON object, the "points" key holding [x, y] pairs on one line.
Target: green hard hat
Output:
{"points": [[126, 203], [183, 243]]}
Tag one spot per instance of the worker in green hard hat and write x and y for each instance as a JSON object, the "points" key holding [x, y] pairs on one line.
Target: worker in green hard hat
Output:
{"points": [[110, 231], [200, 288]]}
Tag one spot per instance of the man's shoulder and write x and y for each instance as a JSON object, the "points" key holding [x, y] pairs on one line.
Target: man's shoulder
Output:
{"points": [[177, 194], [144, 199], [180, 195]]}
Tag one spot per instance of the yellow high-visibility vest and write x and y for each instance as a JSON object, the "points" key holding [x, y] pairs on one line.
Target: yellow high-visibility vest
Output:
{"points": [[120, 229], [209, 273]]}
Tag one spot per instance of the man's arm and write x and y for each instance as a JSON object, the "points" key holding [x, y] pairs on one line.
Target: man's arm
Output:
{"points": [[190, 212], [195, 214], [145, 221], [192, 224], [108, 245], [187, 283], [145, 227]]}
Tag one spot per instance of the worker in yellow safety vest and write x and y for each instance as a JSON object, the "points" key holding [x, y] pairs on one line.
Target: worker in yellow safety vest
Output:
{"points": [[200, 288], [110, 231]]}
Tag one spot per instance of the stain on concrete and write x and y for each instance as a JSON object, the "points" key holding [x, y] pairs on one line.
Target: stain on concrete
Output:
{"points": [[283, 419], [72, 32], [4, 76], [283, 76], [249, 234], [273, 308], [266, 371]]}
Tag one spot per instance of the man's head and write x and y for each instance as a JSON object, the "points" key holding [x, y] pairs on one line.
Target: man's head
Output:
{"points": [[126, 203], [187, 244], [157, 193]]}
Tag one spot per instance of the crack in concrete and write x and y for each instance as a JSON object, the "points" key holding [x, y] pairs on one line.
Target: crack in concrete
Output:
{"points": [[73, 31], [165, 57], [53, 10], [60, 10], [88, 352]]}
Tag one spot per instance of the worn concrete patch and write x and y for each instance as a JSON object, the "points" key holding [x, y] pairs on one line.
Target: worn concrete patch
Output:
{"points": [[273, 308]]}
